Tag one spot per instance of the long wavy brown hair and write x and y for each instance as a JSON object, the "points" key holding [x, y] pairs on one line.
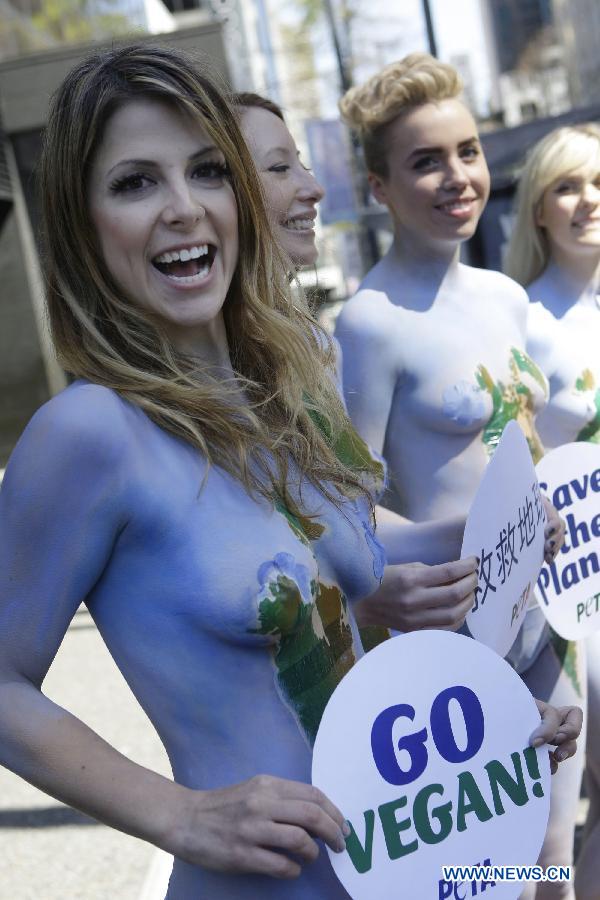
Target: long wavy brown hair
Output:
{"points": [[289, 410]]}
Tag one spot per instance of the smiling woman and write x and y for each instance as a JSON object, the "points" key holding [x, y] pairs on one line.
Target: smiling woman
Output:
{"points": [[554, 252], [291, 190], [434, 365], [163, 488], [167, 223]]}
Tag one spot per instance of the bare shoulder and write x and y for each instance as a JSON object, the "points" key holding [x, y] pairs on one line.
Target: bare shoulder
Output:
{"points": [[497, 284], [369, 312], [498, 289], [84, 407], [84, 419]]}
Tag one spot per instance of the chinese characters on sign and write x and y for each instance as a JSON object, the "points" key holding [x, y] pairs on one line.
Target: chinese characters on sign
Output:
{"points": [[512, 540], [505, 530]]}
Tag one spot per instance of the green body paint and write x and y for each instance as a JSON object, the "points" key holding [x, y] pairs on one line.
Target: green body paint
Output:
{"points": [[568, 657], [314, 649], [584, 384], [512, 401], [314, 646]]}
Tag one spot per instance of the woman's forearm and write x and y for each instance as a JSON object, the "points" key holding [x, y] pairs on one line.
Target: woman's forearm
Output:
{"points": [[427, 542], [263, 825], [61, 756]]}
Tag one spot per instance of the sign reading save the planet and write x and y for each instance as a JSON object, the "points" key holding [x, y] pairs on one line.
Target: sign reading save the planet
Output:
{"points": [[430, 765], [568, 590], [505, 529]]}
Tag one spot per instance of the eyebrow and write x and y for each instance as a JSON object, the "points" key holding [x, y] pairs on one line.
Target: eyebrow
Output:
{"points": [[150, 163], [279, 150], [421, 150]]}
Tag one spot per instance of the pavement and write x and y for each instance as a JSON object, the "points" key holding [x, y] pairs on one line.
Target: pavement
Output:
{"points": [[51, 852]]}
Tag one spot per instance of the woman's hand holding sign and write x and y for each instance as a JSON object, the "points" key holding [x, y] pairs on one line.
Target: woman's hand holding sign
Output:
{"points": [[554, 532], [560, 726], [414, 596]]}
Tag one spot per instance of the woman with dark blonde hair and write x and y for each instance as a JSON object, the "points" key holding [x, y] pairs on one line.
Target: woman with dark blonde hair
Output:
{"points": [[290, 188], [554, 252], [434, 361], [198, 485]]}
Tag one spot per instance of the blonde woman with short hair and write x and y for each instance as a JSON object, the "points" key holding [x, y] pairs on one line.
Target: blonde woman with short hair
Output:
{"points": [[434, 360], [554, 252]]}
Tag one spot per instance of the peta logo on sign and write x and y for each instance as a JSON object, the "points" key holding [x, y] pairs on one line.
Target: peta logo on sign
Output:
{"points": [[431, 771]]}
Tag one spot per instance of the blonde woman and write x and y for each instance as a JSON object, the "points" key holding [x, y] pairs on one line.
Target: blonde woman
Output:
{"points": [[554, 253], [434, 361]]}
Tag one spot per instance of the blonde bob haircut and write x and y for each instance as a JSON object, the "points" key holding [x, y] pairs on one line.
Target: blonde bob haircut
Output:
{"points": [[565, 152], [417, 79], [281, 406]]}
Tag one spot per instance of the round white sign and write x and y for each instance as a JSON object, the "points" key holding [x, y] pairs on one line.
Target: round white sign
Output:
{"points": [[424, 748], [568, 590], [505, 529]]}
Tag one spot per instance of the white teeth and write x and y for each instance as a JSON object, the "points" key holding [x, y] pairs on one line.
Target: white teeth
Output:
{"points": [[190, 279], [299, 224], [456, 204], [182, 255]]}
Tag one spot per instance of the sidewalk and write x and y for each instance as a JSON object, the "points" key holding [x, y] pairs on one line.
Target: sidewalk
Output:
{"points": [[50, 852]]}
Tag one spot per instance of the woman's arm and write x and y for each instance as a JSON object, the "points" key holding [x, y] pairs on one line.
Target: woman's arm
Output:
{"points": [[65, 501], [437, 591], [431, 542], [248, 827]]}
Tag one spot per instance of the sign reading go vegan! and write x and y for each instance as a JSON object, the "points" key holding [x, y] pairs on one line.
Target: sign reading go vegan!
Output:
{"points": [[433, 770]]}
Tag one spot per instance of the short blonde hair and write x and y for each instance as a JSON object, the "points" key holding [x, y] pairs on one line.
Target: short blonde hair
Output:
{"points": [[417, 79], [572, 150]]}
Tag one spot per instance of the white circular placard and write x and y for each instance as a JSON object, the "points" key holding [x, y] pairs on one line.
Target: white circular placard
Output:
{"points": [[568, 590], [505, 529], [479, 796]]}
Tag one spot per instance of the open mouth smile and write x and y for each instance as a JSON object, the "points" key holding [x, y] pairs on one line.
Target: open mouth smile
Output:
{"points": [[305, 223], [188, 265], [457, 207]]}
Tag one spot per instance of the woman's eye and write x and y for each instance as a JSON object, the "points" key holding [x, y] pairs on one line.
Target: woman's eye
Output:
{"points": [[425, 162], [469, 153], [134, 182], [279, 168], [567, 187], [212, 170]]}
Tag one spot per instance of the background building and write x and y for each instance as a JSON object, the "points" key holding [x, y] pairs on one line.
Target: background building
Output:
{"points": [[578, 27], [28, 372]]}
